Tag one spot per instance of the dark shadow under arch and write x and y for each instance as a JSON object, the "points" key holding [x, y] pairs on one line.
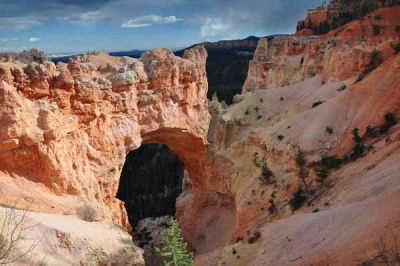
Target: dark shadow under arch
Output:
{"points": [[151, 181]]}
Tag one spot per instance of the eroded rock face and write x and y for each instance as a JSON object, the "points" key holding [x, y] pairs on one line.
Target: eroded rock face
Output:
{"points": [[65, 129], [337, 55]]}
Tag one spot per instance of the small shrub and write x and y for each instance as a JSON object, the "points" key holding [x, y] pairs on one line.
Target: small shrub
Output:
{"points": [[301, 163], [261, 100], [329, 130], [281, 99], [301, 60], [330, 162], [239, 239], [376, 29], [378, 17], [362, 76], [173, 250], [280, 137], [266, 175], [370, 132], [396, 47], [398, 28], [390, 121], [367, 263], [272, 206], [326, 165], [374, 61], [358, 148], [316, 104], [15, 230], [86, 213], [342, 88], [234, 251], [256, 236], [246, 112], [322, 174], [298, 199]]}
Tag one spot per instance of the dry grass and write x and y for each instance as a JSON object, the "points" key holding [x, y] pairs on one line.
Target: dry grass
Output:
{"points": [[86, 213]]}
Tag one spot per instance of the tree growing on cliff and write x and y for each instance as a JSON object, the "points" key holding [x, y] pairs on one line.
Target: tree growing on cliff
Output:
{"points": [[173, 250]]}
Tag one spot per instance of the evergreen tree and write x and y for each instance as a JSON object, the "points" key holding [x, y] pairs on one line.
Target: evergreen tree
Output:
{"points": [[173, 250]]}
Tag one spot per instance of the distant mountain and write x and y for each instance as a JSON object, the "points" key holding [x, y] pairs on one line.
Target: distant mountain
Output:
{"points": [[65, 58], [227, 64]]}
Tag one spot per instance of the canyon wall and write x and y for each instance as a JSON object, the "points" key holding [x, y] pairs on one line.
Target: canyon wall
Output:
{"points": [[336, 55], [302, 101]]}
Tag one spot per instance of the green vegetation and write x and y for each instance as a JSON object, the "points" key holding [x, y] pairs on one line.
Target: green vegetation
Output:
{"points": [[267, 176], [327, 164], [387, 250], [86, 212], [316, 104], [173, 250], [329, 130], [396, 47], [357, 10], [256, 236], [342, 88], [272, 207], [301, 165], [376, 29], [374, 61], [390, 121], [358, 148], [298, 199]]}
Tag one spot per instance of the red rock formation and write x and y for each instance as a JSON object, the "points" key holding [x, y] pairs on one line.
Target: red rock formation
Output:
{"points": [[65, 129], [338, 55]]}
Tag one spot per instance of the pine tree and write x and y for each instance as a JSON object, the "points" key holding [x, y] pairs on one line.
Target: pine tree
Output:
{"points": [[173, 249]]}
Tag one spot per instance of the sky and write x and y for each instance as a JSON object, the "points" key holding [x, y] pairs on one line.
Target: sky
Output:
{"points": [[75, 26]]}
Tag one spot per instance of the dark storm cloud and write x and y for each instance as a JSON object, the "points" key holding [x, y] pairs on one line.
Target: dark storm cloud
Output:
{"points": [[217, 16], [43, 8], [22, 14], [214, 18]]}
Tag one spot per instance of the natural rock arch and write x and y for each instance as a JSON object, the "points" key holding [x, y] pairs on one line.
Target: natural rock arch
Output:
{"points": [[65, 131], [68, 127]]}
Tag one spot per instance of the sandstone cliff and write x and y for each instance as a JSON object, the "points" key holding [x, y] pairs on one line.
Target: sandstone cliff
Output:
{"points": [[302, 101]]}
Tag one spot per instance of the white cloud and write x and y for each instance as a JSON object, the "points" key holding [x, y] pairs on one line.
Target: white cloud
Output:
{"points": [[17, 23], [91, 17], [146, 21], [214, 27], [8, 40], [34, 39]]}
